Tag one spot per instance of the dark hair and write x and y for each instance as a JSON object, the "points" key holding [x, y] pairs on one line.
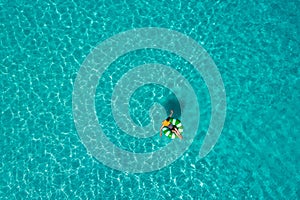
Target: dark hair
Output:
{"points": [[168, 119]]}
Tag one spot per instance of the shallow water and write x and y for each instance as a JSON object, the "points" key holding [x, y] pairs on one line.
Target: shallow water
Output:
{"points": [[255, 47]]}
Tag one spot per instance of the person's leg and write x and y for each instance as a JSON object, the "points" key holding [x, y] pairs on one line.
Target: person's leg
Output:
{"points": [[175, 130], [178, 132]]}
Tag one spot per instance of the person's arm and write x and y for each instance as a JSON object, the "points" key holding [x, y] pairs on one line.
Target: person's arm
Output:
{"points": [[171, 113], [160, 133]]}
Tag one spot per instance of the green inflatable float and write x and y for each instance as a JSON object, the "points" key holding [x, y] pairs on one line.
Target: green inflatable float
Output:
{"points": [[177, 124]]}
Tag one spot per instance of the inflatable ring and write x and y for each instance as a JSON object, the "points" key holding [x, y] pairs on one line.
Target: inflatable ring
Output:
{"points": [[169, 133]]}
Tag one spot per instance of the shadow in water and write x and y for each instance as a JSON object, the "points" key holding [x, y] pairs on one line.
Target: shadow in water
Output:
{"points": [[173, 104]]}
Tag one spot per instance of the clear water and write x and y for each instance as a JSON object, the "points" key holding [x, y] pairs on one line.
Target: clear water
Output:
{"points": [[256, 47]]}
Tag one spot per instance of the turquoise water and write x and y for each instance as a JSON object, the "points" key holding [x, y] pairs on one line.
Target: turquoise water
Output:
{"points": [[256, 47]]}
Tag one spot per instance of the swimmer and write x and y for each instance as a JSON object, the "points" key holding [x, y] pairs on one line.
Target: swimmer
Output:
{"points": [[167, 123]]}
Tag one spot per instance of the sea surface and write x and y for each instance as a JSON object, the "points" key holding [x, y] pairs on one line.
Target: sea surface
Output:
{"points": [[254, 44]]}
